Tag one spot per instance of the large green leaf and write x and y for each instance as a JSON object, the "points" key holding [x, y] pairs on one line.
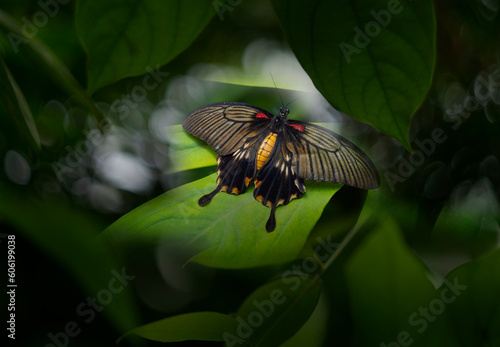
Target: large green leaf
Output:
{"points": [[128, 38], [186, 152], [275, 311], [206, 326], [372, 59], [313, 332], [474, 301], [470, 224], [391, 294], [230, 231], [269, 316]]}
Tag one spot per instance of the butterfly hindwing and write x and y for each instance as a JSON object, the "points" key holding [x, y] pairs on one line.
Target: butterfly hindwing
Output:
{"points": [[225, 126], [322, 155], [276, 182], [235, 171]]}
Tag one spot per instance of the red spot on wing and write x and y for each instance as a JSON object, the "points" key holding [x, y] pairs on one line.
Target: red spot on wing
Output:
{"points": [[261, 115], [299, 127]]}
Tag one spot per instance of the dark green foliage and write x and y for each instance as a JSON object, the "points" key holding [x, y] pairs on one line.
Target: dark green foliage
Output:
{"points": [[100, 184]]}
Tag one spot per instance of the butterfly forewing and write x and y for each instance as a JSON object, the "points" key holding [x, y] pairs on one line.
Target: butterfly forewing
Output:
{"points": [[322, 155], [226, 126]]}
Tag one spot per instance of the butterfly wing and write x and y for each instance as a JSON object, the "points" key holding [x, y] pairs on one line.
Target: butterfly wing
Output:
{"points": [[236, 170], [226, 126], [322, 155], [276, 182]]}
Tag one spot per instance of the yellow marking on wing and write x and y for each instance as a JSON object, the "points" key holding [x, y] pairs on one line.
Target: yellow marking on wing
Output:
{"points": [[235, 191]]}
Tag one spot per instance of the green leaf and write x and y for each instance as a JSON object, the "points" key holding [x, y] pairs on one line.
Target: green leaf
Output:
{"points": [[186, 152], [386, 278], [124, 38], [275, 311], [381, 202], [469, 224], [68, 236], [17, 106], [371, 59], [474, 301], [206, 326], [313, 332], [230, 231], [288, 82]]}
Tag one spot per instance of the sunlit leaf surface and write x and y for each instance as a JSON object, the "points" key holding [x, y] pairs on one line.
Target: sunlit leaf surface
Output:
{"points": [[229, 232]]}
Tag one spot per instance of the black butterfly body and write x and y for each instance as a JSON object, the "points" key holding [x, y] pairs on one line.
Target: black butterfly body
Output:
{"points": [[276, 152]]}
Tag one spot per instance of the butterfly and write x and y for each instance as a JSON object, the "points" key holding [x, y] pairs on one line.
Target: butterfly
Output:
{"points": [[278, 153]]}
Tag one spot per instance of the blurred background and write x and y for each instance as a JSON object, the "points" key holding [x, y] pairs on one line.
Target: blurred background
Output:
{"points": [[83, 179]]}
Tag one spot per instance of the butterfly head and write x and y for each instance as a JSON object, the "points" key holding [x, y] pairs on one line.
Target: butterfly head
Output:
{"points": [[280, 119], [283, 113]]}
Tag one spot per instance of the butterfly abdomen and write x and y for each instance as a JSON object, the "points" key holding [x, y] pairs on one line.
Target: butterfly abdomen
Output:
{"points": [[265, 149]]}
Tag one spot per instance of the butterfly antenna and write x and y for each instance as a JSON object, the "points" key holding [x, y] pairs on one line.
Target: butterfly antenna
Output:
{"points": [[277, 90], [297, 98]]}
